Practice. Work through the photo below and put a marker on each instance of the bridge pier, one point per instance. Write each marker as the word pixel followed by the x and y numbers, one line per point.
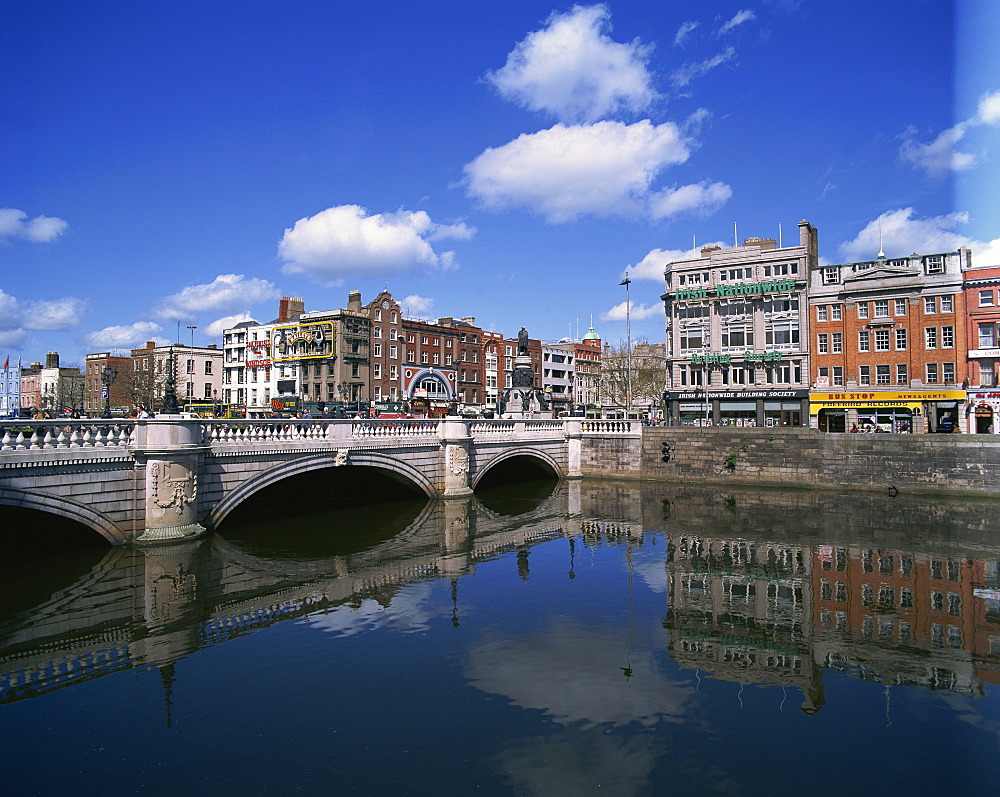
pixel 455 444
pixel 574 447
pixel 168 452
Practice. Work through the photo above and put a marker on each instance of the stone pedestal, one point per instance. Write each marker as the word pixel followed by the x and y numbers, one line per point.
pixel 169 450
pixel 455 444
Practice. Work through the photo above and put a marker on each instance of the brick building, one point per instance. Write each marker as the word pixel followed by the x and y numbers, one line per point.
pixel 982 302
pixel 889 343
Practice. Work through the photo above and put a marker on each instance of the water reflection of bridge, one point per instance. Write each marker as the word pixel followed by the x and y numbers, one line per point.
pixel 765 588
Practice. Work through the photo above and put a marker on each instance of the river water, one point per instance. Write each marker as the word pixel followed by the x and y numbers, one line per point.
pixel 538 639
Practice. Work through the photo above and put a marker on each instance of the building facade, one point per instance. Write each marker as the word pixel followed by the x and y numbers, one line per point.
pixel 890 344
pixel 119 395
pixel 10 389
pixel 197 372
pixel 737 334
pixel 982 303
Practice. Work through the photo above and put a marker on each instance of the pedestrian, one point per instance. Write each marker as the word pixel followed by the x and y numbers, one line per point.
pixel 854 429
pixel 142 414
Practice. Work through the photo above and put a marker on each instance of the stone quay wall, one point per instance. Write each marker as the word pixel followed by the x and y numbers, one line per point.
pixel 800 457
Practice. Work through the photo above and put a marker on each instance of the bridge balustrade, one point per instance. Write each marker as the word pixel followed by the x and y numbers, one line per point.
pixel 66 433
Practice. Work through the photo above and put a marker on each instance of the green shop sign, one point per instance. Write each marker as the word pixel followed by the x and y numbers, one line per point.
pixel 736 289
pixel 713 358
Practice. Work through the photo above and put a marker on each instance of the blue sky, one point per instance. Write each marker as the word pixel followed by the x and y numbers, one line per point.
pixel 189 163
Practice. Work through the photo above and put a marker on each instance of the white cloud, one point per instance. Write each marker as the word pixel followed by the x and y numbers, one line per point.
pixel 604 169
pixel 17 317
pixel 414 306
pixel 702 198
pixel 346 240
pixel 638 312
pixel 938 156
pixel 55 314
pixel 226 293
pixel 683 32
pixel 573 69
pixel 903 234
pixel 214 330
pixel 652 265
pixel 738 19
pixel 41 228
pixel 941 155
pixel 685 74
pixel 988 111
pixel 130 336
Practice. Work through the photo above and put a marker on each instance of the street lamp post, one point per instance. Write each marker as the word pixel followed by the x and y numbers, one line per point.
pixel 170 391
pixel 108 376
pixel 628 345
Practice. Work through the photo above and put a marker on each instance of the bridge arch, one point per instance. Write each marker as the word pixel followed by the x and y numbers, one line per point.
pixel 289 469
pixel 66 508
pixel 522 451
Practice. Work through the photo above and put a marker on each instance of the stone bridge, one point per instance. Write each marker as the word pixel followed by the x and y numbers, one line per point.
pixel 174 477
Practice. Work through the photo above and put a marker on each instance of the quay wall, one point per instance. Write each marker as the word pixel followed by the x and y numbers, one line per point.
pixel 801 457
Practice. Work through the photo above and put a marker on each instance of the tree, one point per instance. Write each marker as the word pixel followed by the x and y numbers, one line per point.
pixel 648 371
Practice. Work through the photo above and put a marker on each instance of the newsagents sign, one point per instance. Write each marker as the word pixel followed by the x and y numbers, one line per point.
pixel 736 289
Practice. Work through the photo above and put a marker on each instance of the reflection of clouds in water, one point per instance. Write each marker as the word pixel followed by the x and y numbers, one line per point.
pixel 407 612
pixel 575 676
pixel 653 573
pixel 576 762
pixel 968 712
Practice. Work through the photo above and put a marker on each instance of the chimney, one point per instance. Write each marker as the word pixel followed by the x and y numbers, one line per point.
pixel 354 300
pixel 809 238
pixel 290 307
pixel 706 251
pixel 52 359
pixel 469 319
pixel 150 344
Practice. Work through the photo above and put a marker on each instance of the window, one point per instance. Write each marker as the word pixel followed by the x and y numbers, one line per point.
pixel 836 312
pixel 881 340
pixel 190 366
pixel 782 333
pixel 394 372
pixel 208 367
pixel 831 276
pixel 948 373
pixel 394 318
pixel 377 350
pixel 437 358
pixel 376 371
pixel 823 373
pixel 987 375
pixel 986 298
pixel 823 343
pixel 423 340
pixel 932 373
pixel 378 314
pixel 410 356
pixel 930 305
pixel 864 340
pixel 865 374
pixel 881 308
pixel 947 337
pixel 393 334
pixel 930 338
pixel 423 357
pixel 821 312
pixel 987 336
pixel 934 264
pixel 947 304
pixel 838 375
pixel 862 309
pixel 900 339
pixel 902 377
pixel 882 374
pixel 377 332
pixel 838 342
pixel 899 306
pixel 694 338
pixel 740 335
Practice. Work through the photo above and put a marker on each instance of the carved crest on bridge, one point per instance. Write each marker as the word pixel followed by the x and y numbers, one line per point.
pixel 172 486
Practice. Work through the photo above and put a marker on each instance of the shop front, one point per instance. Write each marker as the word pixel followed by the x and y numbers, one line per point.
pixel 895 412
pixel 760 408
pixel 983 409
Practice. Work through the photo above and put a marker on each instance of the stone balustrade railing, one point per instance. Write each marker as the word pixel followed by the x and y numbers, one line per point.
pixel 102 433
pixel 34 435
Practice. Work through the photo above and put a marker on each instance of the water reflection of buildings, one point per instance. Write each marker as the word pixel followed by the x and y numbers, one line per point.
pixel 771 613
